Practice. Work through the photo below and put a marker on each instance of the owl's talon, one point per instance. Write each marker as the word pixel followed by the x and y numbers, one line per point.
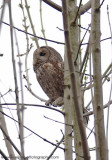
pixel 58 102
pixel 47 103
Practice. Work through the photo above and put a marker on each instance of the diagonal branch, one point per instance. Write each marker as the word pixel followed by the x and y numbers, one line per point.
pixel 55 148
pixel 3 155
pixel 54 5
pixel 82 10
pixel 4 126
pixel 32 131
pixel 8 138
pixel 85 7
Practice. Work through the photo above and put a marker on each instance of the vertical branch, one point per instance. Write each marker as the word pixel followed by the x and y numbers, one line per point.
pixel 27 52
pixel 16 83
pixel 2 14
pixel 68 112
pixel 22 94
pixel 108 115
pixel 32 26
pixel 101 146
pixel 76 105
pixel 42 27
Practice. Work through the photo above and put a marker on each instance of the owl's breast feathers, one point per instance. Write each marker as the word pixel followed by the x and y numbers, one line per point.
pixel 50 76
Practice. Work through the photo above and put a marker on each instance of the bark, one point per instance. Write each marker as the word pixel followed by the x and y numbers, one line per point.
pixel 101 146
pixel 71 39
pixel 68 112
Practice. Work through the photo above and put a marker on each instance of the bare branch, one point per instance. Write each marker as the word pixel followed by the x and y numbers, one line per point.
pixel 55 148
pixel 31 131
pixel 101 3
pixel 3 155
pixel 4 126
pixel 91 112
pixel 32 26
pixel 34 105
pixel 8 138
pixel 85 59
pixel 85 8
pixel 108 112
pixel 77 14
pixel 2 14
pixel 54 5
pixel 32 34
pixel 80 45
pixel 41 18
pixel 58 121
pixel 15 81
pixel 109 22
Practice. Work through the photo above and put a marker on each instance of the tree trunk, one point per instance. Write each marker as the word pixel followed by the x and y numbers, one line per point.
pixel 72 42
pixel 101 146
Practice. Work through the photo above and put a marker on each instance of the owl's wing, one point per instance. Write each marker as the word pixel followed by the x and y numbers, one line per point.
pixel 51 78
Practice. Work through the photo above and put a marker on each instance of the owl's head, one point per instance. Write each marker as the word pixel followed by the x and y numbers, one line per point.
pixel 45 54
pixel 40 56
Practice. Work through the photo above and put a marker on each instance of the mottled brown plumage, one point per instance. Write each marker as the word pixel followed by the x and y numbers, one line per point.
pixel 48 66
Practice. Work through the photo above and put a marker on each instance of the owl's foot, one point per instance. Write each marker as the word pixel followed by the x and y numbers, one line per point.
pixel 48 102
pixel 58 102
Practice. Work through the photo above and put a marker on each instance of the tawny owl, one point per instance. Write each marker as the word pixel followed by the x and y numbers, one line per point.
pixel 48 66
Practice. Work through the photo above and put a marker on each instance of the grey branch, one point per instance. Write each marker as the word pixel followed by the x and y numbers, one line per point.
pixel 54 5
pixel 85 8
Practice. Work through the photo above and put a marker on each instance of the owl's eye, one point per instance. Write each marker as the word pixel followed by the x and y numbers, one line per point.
pixel 42 54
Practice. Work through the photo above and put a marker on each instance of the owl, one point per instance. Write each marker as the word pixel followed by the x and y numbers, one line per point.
pixel 49 68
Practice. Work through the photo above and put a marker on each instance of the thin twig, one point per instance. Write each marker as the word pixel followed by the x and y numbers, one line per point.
pixel 32 131
pixel 100 40
pixel 11 142
pixel 90 133
pixel 28 49
pixel 22 93
pixel 32 26
pixel 101 4
pixel 4 126
pixel 108 111
pixel 16 82
pixel 32 34
pixel 55 148
pixel 91 112
pixel 34 105
pixel 77 14
pixel 2 14
pixel 30 90
pixel 42 27
pixel 49 40
pixel 85 56
pixel 58 121
pixel 80 45
pixel 2 95
pixel 105 75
